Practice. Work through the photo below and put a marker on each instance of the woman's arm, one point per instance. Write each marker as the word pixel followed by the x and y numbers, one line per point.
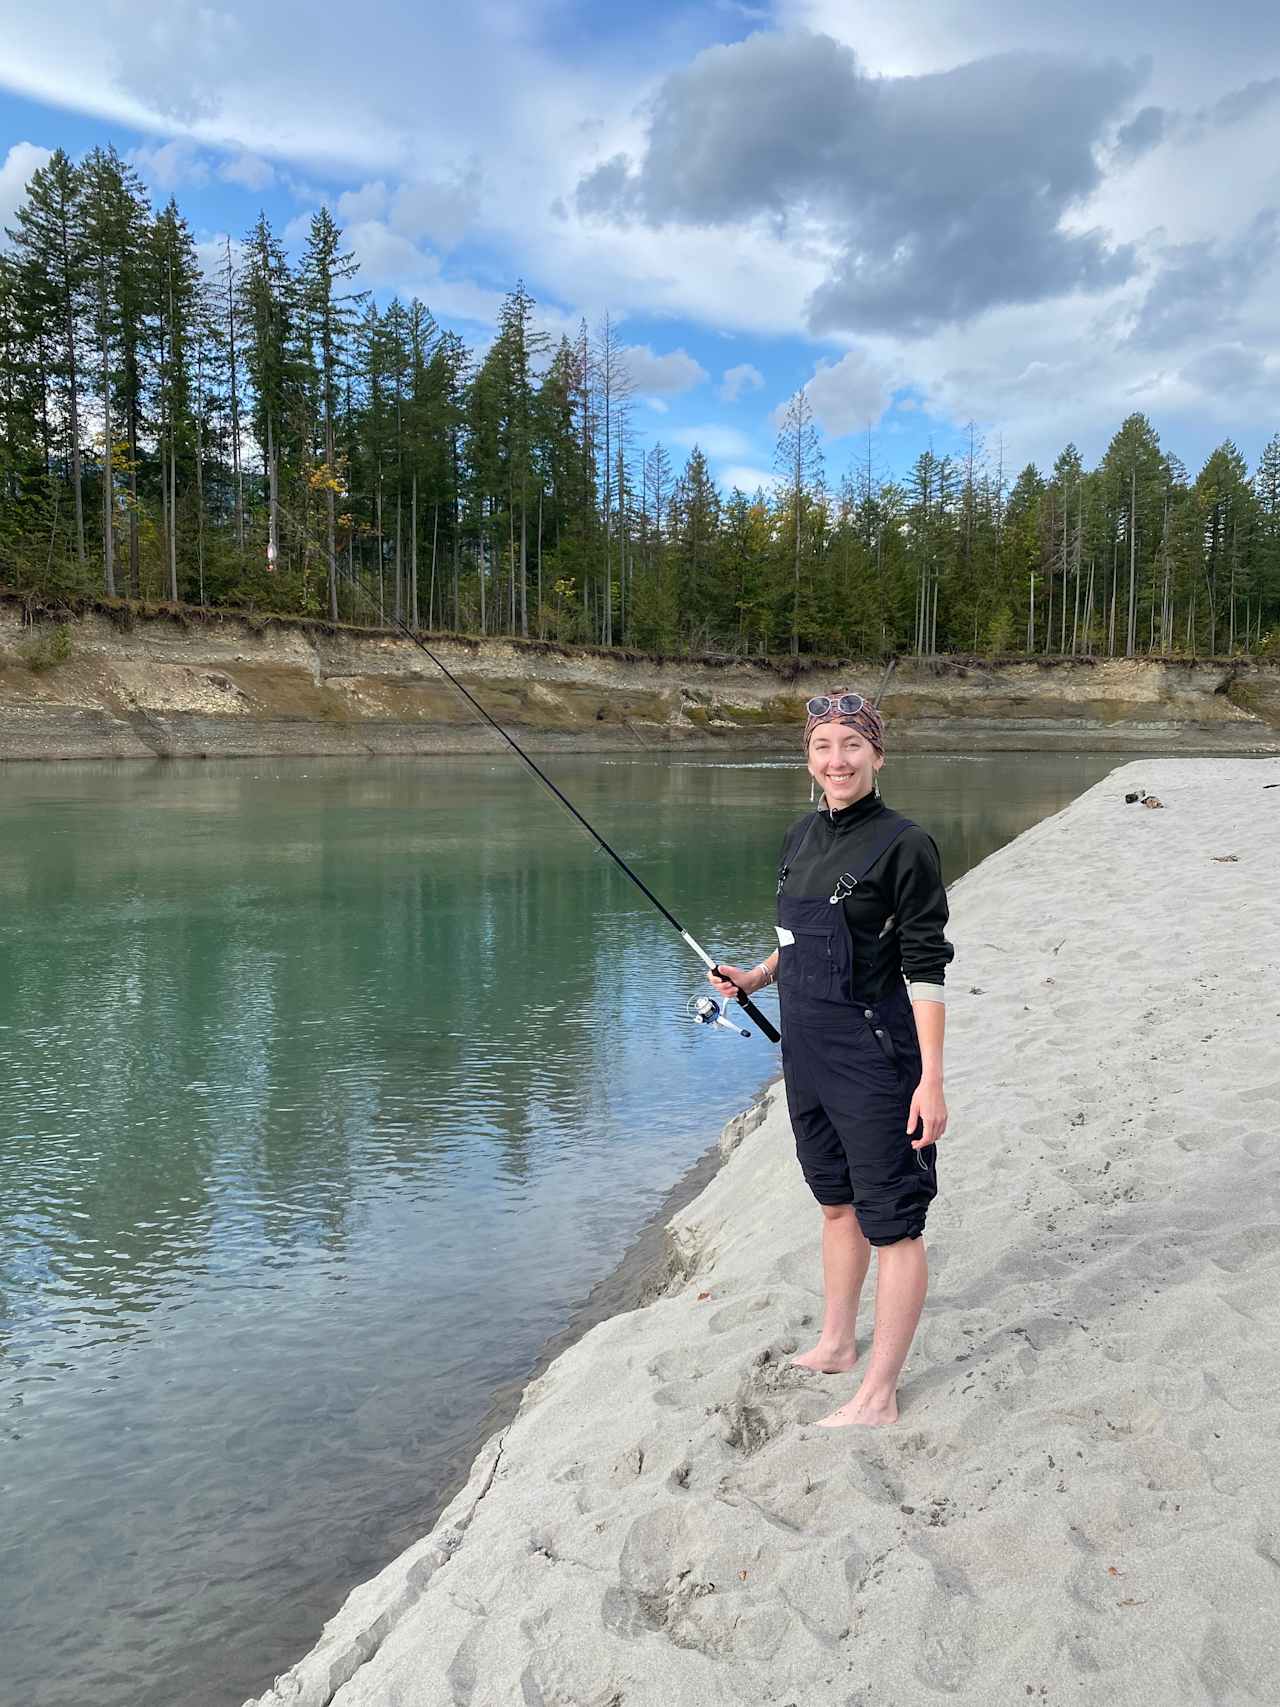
pixel 748 981
pixel 921 900
pixel 928 1117
pixel 931 1025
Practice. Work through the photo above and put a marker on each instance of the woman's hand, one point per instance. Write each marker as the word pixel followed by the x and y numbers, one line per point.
pixel 747 982
pixel 929 1106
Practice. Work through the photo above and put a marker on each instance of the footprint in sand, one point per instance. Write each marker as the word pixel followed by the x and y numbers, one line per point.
pixel 678 1396
pixel 947 1658
pixel 678 1364
pixel 746 1310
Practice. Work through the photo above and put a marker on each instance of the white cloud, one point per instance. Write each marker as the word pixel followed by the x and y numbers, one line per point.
pixel 441 210
pixel 458 299
pixel 385 257
pixel 848 395
pixel 391 263
pixel 249 171
pixel 557 322
pixel 662 376
pixel 747 478
pixel 170 165
pixel 747 280
pixel 913 37
pixel 737 380
pixel 237 74
pixel 368 202
pixel 719 442
pixel 20 163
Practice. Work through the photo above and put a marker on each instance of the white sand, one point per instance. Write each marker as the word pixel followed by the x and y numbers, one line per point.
pixel 1081 1502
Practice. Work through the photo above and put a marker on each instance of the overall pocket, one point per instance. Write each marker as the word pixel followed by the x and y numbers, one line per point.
pixel 811 966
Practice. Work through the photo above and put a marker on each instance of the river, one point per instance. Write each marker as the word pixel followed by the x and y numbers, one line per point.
pixel 327 1090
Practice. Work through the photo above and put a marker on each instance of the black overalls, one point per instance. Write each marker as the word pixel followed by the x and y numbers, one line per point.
pixel 850 1070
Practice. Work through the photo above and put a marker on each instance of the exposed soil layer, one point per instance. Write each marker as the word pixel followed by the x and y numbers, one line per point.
pixel 112 681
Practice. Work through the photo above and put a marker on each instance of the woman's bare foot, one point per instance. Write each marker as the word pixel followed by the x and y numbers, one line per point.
pixel 827 1359
pixel 870 1412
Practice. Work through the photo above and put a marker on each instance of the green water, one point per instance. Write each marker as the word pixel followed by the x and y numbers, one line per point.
pixel 326 1090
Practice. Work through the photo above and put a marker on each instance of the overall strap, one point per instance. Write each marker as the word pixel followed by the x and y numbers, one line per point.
pixel 888 829
pixel 792 845
pixel 795 838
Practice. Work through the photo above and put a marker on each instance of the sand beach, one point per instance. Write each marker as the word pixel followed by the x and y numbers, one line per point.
pixel 1081 1501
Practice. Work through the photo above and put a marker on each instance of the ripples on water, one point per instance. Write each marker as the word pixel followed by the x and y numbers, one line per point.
pixel 324 1094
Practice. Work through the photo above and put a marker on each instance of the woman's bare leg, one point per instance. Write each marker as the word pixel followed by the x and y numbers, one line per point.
pixel 845 1255
pixel 902 1279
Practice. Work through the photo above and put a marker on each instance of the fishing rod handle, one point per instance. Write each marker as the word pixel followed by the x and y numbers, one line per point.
pixel 759 1020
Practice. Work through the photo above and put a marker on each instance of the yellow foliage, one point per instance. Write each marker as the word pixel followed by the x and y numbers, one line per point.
pixel 323 478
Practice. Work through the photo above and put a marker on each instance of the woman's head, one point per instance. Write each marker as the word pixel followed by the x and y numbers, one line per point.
pixel 844 745
pixel 844 706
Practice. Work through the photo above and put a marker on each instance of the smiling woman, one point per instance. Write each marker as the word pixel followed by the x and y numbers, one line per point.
pixel 860 965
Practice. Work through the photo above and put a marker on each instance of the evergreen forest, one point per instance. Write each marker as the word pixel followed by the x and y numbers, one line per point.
pixel 264 435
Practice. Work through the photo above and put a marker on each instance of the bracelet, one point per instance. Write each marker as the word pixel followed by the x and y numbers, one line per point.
pixel 768 976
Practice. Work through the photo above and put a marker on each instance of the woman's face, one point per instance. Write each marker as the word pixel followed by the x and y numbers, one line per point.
pixel 842 763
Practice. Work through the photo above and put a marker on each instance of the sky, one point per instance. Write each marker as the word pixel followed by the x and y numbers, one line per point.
pixel 1020 221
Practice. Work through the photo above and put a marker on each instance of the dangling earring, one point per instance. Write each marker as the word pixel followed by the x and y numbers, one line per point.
pixel 875 786
pixel 811 791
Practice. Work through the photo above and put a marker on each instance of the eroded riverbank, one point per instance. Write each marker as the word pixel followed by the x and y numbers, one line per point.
pixel 120 683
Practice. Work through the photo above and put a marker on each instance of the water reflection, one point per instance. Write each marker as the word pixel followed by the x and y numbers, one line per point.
pixel 325 1091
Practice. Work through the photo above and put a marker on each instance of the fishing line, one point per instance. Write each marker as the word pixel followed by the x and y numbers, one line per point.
pixel 757 1018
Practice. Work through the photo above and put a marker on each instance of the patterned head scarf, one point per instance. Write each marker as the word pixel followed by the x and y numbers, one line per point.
pixel 868 722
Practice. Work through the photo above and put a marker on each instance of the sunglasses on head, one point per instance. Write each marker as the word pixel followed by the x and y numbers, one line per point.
pixel 847 704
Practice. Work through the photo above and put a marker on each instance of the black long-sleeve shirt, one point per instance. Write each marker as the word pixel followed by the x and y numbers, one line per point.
pixel 898 913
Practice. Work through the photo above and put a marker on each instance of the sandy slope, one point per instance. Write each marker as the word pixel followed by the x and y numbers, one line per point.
pixel 1081 1502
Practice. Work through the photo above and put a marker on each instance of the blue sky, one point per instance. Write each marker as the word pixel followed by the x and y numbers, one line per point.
pixel 1039 218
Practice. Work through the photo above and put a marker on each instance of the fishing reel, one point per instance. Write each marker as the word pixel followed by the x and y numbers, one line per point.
pixel 705 1010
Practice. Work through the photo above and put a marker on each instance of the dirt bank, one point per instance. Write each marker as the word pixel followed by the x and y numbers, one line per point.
pixel 114 682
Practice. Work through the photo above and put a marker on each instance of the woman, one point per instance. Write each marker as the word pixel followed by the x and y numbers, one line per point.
pixel 861 907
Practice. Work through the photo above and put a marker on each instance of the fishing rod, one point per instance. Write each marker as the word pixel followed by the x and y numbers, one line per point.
pixel 760 1020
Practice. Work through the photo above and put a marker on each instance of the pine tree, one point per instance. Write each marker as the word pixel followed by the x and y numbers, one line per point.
pixel 269 307
pixel 798 460
pixel 229 284
pixel 1224 503
pixel 558 471
pixel 420 429
pixel 1022 539
pixel 1134 476
pixel 51 256
pixel 115 223
pixel 325 268
pixel 27 517
pixel 695 536
pixel 1067 493
pixel 519 346
pixel 1266 486
pixel 178 310
pixel 613 386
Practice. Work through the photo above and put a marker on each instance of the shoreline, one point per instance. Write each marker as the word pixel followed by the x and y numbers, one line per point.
pixel 1077 1494
pixel 1157 740
pixel 647 1268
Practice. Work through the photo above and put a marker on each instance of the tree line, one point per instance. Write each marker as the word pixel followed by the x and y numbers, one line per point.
pixel 261 434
